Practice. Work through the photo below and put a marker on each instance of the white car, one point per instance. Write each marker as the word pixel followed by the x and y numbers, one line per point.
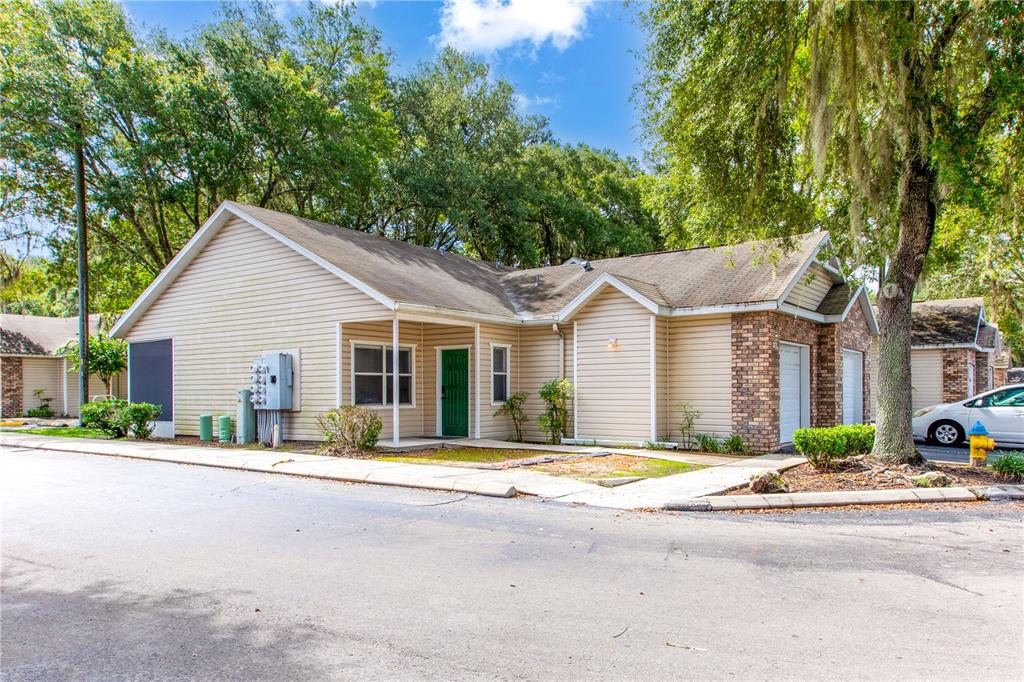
pixel 1001 411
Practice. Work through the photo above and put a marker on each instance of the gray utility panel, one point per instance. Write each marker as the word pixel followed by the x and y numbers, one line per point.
pixel 272 382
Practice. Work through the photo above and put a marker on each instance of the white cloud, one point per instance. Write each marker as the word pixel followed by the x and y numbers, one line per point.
pixel 491 25
pixel 526 104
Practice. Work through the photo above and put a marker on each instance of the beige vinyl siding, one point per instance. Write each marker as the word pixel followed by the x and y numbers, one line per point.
pixel 244 294
pixel 664 407
pixel 118 387
pixel 926 377
pixel 814 284
pixel 700 371
pixel 538 364
pixel 435 336
pixel 492 426
pixel 45 374
pixel 613 387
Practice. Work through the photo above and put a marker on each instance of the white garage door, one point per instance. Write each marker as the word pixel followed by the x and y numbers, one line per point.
pixel 853 387
pixel 793 405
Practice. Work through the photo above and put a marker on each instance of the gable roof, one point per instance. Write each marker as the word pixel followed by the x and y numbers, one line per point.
pixel 403 275
pixel 947 322
pixel 37 334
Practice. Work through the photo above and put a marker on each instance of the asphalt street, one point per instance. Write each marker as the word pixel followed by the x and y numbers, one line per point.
pixel 124 569
pixel 962 455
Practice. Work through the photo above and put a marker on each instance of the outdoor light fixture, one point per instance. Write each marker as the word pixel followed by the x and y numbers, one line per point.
pixel 613 344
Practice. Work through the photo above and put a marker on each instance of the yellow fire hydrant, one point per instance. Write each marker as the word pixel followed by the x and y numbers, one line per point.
pixel 980 444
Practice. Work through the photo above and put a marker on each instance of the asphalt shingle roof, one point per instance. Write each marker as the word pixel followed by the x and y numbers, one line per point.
pixel 36 334
pixel 419 275
pixel 946 322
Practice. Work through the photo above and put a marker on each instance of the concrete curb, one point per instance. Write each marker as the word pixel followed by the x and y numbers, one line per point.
pixel 840 498
pixel 399 476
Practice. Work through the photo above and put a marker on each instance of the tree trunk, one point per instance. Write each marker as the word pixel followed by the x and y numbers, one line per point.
pixel 894 440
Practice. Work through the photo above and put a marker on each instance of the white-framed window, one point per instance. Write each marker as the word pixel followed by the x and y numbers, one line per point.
pixel 372 375
pixel 499 373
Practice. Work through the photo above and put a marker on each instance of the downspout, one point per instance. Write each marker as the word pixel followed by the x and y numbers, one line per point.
pixel 561 350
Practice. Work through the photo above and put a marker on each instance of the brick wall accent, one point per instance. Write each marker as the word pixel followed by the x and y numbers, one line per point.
pixel 1000 377
pixel 12 386
pixel 981 372
pixel 954 373
pixel 755 370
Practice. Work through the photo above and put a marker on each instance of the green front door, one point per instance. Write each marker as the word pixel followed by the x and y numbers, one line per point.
pixel 455 392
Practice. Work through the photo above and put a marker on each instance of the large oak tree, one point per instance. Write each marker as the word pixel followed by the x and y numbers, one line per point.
pixel 773 118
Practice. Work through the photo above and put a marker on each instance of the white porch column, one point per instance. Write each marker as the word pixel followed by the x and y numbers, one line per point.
pixel 395 426
pixel 64 367
pixel 654 379
pixel 476 377
pixel 338 395
pixel 575 382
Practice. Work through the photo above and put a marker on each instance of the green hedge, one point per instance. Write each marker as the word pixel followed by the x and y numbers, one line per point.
pixel 822 446
pixel 119 418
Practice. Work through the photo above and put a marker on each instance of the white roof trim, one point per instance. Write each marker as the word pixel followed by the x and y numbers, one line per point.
pixel 726 308
pixel 599 284
pixel 200 239
pixel 935 346
pixel 813 258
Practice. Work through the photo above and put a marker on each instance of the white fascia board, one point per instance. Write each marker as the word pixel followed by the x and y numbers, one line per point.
pixel 938 346
pixel 722 309
pixel 171 270
pixel 807 314
pixel 417 312
pixel 600 283
pixel 201 238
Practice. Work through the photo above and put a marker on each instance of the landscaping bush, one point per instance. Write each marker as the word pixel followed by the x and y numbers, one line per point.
pixel 1009 466
pixel 706 442
pixel 734 445
pixel 823 446
pixel 555 421
pixel 41 412
pixel 513 407
pixel 349 428
pixel 119 418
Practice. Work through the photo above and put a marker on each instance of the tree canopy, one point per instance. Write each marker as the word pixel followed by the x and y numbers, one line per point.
pixel 307 117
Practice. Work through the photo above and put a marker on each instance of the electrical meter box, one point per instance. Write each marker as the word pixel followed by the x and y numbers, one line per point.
pixel 272 381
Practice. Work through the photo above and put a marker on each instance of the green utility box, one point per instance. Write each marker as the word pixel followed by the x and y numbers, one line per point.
pixel 224 428
pixel 206 428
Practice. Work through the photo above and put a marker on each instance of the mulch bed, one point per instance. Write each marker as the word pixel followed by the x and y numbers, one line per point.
pixel 862 473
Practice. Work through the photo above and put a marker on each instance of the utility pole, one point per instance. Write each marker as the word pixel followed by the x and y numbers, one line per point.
pixel 83 272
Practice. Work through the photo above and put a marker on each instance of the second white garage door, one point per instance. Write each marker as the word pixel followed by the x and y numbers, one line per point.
pixel 853 387
pixel 794 406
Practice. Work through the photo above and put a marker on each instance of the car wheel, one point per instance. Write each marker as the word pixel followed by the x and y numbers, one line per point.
pixel 946 433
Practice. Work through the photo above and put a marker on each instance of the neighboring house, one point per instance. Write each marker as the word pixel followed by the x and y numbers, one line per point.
pixel 759 348
pixel 954 351
pixel 28 364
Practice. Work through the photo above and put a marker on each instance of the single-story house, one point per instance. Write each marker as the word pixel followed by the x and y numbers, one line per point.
pixel 760 346
pixel 954 351
pixel 28 364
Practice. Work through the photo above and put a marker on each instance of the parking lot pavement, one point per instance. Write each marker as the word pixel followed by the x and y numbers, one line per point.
pixel 941 453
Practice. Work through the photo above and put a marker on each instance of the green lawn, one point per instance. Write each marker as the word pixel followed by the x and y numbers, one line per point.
pixel 463 455
pixel 64 431
pixel 655 468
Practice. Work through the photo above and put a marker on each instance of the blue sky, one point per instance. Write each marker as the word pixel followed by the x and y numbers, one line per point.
pixel 572 61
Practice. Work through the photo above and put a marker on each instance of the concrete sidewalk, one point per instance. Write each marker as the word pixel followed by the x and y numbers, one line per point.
pixel 649 493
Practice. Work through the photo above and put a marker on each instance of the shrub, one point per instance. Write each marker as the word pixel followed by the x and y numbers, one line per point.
pixel 349 428
pixel 119 418
pixel 688 416
pixel 823 446
pixel 734 445
pixel 136 419
pixel 513 407
pixel 555 420
pixel 1009 466
pixel 706 442
pixel 41 412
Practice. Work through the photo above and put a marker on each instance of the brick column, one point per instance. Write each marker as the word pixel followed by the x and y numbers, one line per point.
pixel 954 373
pixel 13 387
pixel 981 372
pixel 755 380
pixel 829 397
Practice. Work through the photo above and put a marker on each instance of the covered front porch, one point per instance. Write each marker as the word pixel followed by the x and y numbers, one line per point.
pixel 449 376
